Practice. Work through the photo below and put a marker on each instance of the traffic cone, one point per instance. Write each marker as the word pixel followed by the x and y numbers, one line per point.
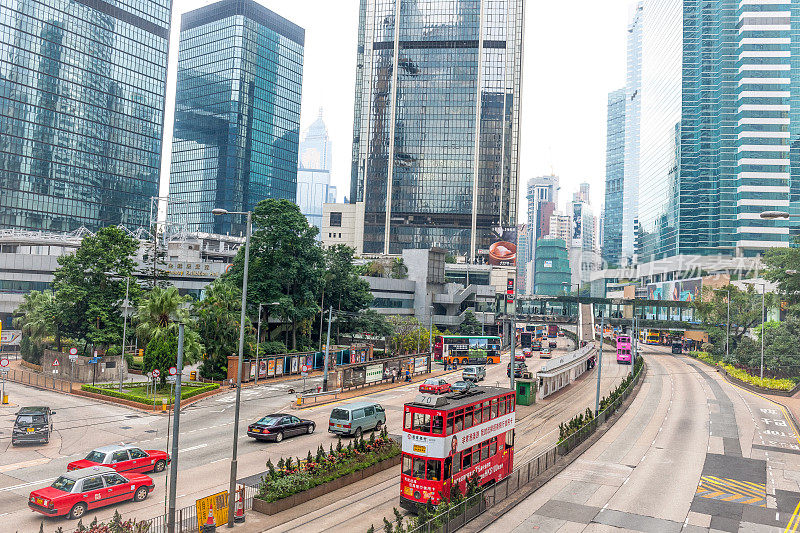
pixel 211 524
pixel 238 516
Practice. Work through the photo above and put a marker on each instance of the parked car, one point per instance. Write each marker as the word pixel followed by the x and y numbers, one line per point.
pixel 277 426
pixel 519 357
pixel 536 346
pixel 33 424
pixel 434 386
pixel 560 332
pixel 355 418
pixel 552 344
pixel 123 458
pixel 519 368
pixel 473 373
pixel 527 352
pixel 74 493
pixel 463 386
pixel 545 353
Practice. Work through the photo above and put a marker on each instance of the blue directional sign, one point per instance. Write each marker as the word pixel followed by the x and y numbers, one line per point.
pixel 94 360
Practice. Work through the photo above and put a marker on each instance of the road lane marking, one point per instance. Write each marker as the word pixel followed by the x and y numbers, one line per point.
pixel 789 527
pixel 25 464
pixel 23 485
pixel 192 448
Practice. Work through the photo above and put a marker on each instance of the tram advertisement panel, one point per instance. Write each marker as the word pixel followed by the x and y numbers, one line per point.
pixel 440 447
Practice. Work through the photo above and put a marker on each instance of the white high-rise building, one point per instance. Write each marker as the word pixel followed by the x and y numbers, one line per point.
pixel 314 172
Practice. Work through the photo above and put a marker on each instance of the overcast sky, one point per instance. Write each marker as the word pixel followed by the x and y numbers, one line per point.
pixel 574 55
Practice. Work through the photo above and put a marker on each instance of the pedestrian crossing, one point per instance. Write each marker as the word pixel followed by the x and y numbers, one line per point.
pixel 732 490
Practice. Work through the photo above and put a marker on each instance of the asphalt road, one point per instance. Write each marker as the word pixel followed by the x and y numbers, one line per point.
pixel 693 453
pixel 82 424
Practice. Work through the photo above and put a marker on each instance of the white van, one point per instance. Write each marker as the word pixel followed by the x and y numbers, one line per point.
pixel 356 418
pixel 473 373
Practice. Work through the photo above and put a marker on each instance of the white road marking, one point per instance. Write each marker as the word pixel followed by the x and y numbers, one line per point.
pixel 193 448
pixel 23 485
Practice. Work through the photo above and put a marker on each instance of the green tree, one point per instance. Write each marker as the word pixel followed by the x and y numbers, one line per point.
pixel 90 286
pixel 745 313
pixel 470 324
pixel 154 260
pixel 161 353
pixel 286 263
pixel 343 289
pixel 782 268
pixel 218 316
pixel 399 268
pixel 780 344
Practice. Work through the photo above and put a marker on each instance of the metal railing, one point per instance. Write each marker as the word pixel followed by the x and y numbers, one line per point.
pixel 42 381
pixel 458 516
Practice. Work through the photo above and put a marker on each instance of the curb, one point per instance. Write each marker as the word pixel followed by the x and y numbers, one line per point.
pixel 486 519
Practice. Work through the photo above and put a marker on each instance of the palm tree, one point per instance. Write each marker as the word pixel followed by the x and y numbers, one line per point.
pixel 159 314
pixel 39 322
pixel 218 324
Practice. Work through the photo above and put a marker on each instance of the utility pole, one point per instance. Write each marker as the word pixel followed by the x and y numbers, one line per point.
pixel 599 365
pixel 513 367
pixel 258 339
pixel 327 352
pixel 763 326
pixel 173 468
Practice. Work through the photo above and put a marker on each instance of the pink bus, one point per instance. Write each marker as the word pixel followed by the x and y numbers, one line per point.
pixel 623 349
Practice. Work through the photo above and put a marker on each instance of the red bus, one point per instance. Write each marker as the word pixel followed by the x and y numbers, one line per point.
pixel 447 439
pixel 552 331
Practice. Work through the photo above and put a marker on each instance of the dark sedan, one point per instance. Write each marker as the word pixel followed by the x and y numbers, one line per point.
pixel 463 386
pixel 278 426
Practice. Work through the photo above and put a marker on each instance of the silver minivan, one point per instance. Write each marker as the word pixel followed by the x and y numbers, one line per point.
pixel 473 373
pixel 356 418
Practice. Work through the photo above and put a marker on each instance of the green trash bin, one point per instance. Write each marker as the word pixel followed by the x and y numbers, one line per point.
pixel 526 391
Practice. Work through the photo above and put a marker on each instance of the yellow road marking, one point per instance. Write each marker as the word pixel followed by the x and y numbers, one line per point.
pixel 780 405
pixel 760 490
pixel 789 527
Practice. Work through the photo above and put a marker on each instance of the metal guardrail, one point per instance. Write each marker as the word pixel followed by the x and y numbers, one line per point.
pixel 315 396
pixel 475 505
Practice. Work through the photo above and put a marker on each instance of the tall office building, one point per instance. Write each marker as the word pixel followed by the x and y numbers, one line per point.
pixel 314 172
pixel 81 112
pixel 611 238
pixel 237 113
pixel 437 119
pixel 720 129
pixel 542 196
pixel 633 104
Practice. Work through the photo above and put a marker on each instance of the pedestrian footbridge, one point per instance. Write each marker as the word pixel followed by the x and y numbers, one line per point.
pixel 560 372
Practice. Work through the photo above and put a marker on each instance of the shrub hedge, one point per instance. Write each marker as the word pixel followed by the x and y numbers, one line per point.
pixel 766 383
pixel 707 357
pixel 195 390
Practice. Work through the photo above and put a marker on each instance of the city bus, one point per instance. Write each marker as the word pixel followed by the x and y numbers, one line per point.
pixel 447 439
pixel 459 349
pixel 650 336
pixel 623 349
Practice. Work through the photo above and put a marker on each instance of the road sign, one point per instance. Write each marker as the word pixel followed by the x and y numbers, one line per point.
pixel 303 368
pixel 171 379
pixel 156 373
pixel 173 371
pixel 4 372
pixel 94 360
pixel 73 351
pixel 55 362
pixel 217 503
pixel 3 362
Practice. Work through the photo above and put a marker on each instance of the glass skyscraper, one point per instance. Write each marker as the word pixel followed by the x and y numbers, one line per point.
pixel 82 85
pixel 237 113
pixel 633 105
pixel 720 126
pixel 435 141
pixel 615 178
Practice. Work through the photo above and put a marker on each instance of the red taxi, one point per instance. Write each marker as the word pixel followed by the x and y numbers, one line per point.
pixel 519 357
pixel 434 386
pixel 527 352
pixel 74 493
pixel 124 458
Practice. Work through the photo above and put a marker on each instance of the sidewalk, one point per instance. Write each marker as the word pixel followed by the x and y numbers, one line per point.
pixel 791 403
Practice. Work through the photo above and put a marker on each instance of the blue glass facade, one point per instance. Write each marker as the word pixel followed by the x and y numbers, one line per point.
pixel 237 113
pixel 436 116
pixel 615 177
pixel 718 143
pixel 82 85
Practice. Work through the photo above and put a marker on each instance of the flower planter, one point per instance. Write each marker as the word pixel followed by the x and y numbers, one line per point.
pixel 270 508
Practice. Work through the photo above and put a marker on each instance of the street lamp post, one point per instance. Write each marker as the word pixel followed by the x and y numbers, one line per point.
pixel 327 352
pixel 600 364
pixel 728 328
pixel 234 456
pixel 124 330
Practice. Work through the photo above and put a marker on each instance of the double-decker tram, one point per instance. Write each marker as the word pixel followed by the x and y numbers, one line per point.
pixel 449 438
pixel 623 349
